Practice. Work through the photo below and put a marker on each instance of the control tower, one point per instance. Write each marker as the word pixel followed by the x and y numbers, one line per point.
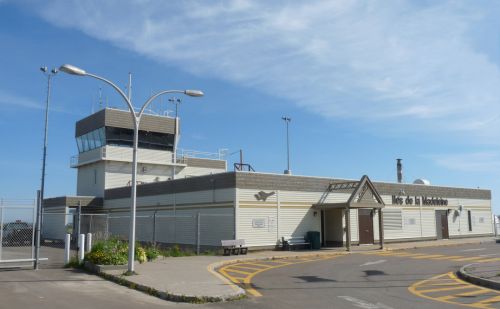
pixel 105 138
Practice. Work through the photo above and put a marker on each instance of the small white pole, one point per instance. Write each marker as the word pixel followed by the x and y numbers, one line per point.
pixel 67 245
pixel 81 252
pixel 88 245
pixel 198 234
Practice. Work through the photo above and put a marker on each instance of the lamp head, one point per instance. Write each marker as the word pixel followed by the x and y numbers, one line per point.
pixel 71 69
pixel 54 71
pixel 43 69
pixel 194 93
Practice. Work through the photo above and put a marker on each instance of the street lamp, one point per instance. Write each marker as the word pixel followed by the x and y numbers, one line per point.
pixel 287 121
pixel 49 75
pixel 136 117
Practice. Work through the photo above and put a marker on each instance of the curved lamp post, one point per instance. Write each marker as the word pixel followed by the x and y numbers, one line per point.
pixel 136 117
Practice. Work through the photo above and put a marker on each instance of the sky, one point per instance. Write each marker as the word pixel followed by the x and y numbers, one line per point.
pixel 364 82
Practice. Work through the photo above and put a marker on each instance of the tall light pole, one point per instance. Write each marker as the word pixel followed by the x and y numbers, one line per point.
pixel 136 119
pixel 49 75
pixel 177 102
pixel 287 121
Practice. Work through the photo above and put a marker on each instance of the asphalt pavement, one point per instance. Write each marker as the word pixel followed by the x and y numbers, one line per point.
pixel 412 278
pixel 406 278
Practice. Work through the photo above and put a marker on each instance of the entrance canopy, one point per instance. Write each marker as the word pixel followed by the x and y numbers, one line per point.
pixel 364 196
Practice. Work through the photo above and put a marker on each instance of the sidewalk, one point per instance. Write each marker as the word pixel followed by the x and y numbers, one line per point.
pixel 193 279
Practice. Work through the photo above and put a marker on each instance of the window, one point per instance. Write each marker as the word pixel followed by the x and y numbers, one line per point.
pixel 91 140
pixel 148 140
pixel 393 219
pixel 96 138
pixel 469 217
pixel 124 137
pixel 79 143
pixel 85 143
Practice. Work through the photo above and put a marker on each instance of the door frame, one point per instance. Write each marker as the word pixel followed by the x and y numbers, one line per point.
pixel 440 227
pixel 371 236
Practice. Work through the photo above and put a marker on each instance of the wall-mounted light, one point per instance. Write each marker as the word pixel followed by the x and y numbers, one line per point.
pixel 315 213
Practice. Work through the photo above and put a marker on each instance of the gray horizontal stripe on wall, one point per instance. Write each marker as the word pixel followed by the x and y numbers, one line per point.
pixel 122 119
pixel 246 180
pixel 201 183
pixel 314 184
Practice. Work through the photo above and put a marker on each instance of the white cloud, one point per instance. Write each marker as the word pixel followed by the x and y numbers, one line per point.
pixel 9 100
pixel 486 161
pixel 365 60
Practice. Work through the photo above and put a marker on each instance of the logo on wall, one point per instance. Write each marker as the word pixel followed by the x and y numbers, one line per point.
pixel 263 196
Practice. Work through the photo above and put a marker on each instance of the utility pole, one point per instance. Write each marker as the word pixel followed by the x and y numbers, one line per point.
pixel 287 121
pixel 49 75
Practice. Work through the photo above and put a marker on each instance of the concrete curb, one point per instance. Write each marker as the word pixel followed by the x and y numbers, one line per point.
pixel 165 295
pixel 464 275
pixel 441 245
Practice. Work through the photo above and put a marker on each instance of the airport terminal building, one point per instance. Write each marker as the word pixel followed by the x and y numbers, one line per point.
pixel 191 198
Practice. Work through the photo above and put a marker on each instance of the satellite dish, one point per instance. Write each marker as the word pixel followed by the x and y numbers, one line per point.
pixel 421 181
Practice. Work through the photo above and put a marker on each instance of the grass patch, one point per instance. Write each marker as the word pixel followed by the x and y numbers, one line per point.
pixel 74 263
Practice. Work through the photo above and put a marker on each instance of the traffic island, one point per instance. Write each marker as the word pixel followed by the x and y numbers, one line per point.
pixel 485 275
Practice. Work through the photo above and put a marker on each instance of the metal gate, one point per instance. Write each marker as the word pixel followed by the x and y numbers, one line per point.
pixel 17 233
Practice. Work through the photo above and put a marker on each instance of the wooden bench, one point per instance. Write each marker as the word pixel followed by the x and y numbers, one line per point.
pixel 288 243
pixel 234 247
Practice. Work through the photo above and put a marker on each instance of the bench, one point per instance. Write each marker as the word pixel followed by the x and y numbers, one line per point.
pixel 288 243
pixel 234 247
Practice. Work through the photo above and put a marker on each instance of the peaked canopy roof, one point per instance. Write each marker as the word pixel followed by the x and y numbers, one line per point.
pixel 364 195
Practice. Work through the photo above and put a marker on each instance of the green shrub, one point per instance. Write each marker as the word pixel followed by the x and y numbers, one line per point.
pixel 109 252
pixel 140 254
pixel 152 253
pixel 176 251
pixel 74 263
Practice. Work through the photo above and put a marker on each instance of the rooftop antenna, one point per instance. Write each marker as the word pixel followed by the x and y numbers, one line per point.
pixel 130 86
pixel 100 97
pixel 287 121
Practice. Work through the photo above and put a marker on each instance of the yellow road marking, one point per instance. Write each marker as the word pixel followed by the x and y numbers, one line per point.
pixel 247 267
pixel 427 256
pixel 423 289
pixel 446 289
pixel 469 258
pixel 472 293
pixel 246 282
pixel 495 299
pixel 489 260
pixel 238 271
pixel 448 257
pixel 445 283
pixel 257 264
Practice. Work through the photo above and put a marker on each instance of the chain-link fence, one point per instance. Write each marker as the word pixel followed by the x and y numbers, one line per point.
pixel 198 231
pixel 17 218
pixel 55 226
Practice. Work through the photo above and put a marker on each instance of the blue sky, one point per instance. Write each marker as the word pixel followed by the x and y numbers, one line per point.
pixel 365 82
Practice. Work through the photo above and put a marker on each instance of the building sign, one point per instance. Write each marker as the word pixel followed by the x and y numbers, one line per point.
pixel 419 200
pixel 259 223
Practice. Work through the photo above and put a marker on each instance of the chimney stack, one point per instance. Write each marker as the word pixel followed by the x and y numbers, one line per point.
pixel 400 171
